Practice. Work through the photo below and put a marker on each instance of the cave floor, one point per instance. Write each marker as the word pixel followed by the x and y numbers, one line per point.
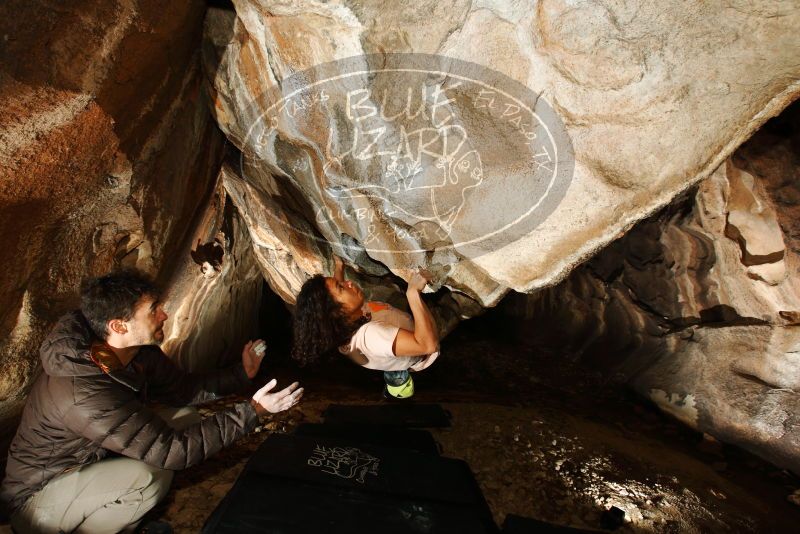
pixel 545 439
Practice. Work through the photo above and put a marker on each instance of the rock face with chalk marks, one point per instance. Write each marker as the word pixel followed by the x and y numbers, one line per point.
pixel 579 157
pixel 638 104
pixel 402 170
pixel 679 309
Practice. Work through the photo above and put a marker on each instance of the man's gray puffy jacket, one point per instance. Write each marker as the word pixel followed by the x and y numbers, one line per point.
pixel 76 413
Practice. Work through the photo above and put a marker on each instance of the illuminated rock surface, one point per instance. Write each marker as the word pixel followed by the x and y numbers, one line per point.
pixel 648 105
pixel 675 309
pixel 111 158
pixel 108 152
pixel 647 101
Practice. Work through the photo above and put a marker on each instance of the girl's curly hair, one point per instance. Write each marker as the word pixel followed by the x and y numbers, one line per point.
pixel 319 325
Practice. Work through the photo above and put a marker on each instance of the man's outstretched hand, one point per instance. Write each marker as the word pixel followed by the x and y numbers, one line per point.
pixel 252 356
pixel 264 401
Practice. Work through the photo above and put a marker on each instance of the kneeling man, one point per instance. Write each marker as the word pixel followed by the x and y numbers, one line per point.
pixel 102 366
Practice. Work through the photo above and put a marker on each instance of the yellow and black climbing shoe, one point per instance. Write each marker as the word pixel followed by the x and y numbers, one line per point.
pixel 403 391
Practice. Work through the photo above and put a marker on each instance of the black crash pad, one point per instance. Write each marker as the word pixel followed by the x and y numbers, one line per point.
pixel 314 484
pixel 260 504
pixel 381 435
pixel 370 468
pixel 515 524
pixel 400 414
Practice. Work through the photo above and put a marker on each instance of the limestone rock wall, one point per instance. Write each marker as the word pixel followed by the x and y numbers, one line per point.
pixel 646 97
pixel 695 305
pixel 111 157
pixel 215 292
pixel 108 155
pixel 697 308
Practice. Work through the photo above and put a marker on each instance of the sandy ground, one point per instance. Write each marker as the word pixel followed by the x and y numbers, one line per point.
pixel 545 439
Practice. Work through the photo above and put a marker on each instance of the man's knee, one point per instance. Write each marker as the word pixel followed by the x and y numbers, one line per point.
pixel 148 483
pixel 158 487
pixel 151 482
pixel 95 498
pixel 149 486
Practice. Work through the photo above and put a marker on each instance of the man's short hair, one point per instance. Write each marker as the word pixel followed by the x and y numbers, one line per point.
pixel 114 296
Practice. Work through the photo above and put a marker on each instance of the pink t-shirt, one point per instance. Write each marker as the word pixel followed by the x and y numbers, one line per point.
pixel 374 340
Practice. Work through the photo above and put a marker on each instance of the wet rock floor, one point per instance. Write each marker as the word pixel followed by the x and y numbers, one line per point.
pixel 545 439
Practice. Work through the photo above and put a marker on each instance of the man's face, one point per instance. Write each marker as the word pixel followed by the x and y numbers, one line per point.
pixel 347 294
pixel 146 327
